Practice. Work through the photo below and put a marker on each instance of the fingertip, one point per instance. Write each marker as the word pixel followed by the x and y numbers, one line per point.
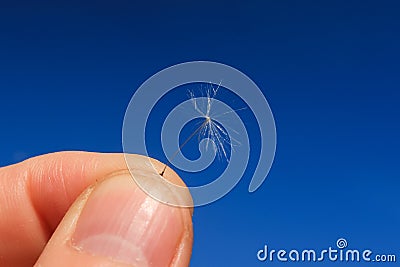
pixel 117 224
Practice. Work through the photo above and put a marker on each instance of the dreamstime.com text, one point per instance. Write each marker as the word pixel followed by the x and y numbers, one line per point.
pixel 338 254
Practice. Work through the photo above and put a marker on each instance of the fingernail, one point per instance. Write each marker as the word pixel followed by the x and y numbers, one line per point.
pixel 121 222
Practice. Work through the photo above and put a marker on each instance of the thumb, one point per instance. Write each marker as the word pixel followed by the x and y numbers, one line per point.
pixel 114 223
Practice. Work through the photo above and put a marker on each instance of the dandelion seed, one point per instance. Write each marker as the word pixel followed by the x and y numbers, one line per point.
pixel 210 128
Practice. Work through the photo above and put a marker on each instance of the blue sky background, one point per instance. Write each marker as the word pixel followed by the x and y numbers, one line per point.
pixel 329 69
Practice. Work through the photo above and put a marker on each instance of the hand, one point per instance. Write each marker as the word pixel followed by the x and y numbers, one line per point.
pixel 84 209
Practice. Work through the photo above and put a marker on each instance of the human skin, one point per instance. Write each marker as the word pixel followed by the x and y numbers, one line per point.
pixel 84 209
